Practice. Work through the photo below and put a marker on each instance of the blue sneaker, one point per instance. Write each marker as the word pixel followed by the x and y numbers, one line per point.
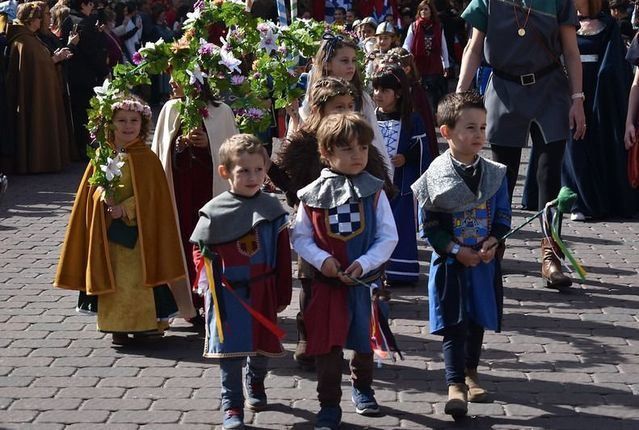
pixel 328 418
pixel 255 395
pixel 233 419
pixel 365 403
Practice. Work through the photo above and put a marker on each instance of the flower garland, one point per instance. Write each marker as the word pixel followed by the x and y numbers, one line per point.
pixel 251 68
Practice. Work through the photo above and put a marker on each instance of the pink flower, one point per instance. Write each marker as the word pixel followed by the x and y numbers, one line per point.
pixel 137 58
pixel 237 79
pixel 255 113
pixel 207 49
pixel 204 112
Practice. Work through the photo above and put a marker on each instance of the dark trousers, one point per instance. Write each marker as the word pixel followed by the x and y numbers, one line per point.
pixel 462 348
pixel 329 375
pixel 548 158
pixel 80 102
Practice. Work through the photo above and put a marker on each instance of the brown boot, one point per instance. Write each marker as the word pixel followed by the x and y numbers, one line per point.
pixel 303 361
pixel 551 266
pixel 457 404
pixel 475 393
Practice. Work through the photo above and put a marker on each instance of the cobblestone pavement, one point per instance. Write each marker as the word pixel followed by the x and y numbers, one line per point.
pixel 563 361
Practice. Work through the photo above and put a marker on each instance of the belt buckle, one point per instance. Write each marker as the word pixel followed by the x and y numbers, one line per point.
pixel 528 79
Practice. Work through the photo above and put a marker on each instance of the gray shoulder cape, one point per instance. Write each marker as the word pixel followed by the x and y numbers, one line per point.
pixel 228 217
pixel 334 189
pixel 441 188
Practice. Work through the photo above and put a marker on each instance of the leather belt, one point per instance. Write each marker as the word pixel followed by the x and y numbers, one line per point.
pixel 528 78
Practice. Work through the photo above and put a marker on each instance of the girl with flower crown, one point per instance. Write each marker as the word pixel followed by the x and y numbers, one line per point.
pixel 190 161
pixel 122 246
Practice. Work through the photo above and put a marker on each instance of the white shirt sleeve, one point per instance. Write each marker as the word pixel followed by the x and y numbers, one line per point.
pixel 445 61
pixel 408 42
pixel 385 237
pixel 303 242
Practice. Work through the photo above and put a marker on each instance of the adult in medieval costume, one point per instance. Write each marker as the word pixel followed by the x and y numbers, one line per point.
pixel 36 120
pixel 190 163
pixel 134 270
pixel 87 68
pixel 529 93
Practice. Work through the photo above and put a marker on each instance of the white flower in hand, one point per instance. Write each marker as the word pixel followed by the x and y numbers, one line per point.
pixel 113 167
pixel 196 75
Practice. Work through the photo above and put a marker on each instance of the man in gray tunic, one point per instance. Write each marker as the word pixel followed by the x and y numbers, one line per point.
pixel 531 92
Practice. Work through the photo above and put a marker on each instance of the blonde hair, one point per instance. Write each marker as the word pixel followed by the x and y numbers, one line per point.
pixel 326 52
pixel 237 145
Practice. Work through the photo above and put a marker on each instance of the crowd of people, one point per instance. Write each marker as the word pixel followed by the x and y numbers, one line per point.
pixel 191 231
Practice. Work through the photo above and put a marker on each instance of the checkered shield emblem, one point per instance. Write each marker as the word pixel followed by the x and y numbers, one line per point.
pixel 344 220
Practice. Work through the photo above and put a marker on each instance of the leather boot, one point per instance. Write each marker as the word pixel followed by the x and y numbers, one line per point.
pixel 303 361
pixel 475 393
pixel 551 266
pixel 457 404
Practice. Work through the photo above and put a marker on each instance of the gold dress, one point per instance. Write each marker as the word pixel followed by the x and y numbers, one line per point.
pixel 132 307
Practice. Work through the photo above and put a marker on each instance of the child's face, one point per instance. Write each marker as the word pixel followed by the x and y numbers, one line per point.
pixel 384 42
pixel 469 135
pixel 126 126
pixel 386 99
pixel 366 31
pixel 339 16
pixel 247 174
pixel 343 64
pixel 348 160
pixel 350 17
pixel 424 12
pixel 339 104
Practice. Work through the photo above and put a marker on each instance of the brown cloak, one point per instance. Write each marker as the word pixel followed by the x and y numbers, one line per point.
pixel 84 261
pixel 37 119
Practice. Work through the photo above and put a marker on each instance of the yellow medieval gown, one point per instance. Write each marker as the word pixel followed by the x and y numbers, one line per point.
pixel 131 308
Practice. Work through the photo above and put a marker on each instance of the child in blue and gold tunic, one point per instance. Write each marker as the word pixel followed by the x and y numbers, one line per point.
pixel 465 210
pixel 243 266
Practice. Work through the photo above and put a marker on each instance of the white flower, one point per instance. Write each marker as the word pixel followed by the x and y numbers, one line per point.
pixel 268 41
pixel 112 168
pixel 191 17
pixel 102 91
pixel 228 59
pixel 196 75
pixel 150 46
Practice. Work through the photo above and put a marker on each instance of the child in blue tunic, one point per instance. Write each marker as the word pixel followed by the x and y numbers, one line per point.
pixel 243 264
pixel 464 210
pixel 407 147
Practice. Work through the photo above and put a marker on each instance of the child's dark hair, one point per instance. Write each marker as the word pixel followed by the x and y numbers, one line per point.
pixel 324 90
pixel 238 144
pixel 392 76
pixel 340 129
pixel 451 106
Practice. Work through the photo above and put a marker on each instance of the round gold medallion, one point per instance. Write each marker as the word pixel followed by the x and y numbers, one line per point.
pixel 521 32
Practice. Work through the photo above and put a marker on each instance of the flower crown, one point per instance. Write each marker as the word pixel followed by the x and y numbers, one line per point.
pixel 132 105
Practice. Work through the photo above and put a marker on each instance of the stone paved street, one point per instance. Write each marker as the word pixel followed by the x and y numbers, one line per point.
pixel 563 361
